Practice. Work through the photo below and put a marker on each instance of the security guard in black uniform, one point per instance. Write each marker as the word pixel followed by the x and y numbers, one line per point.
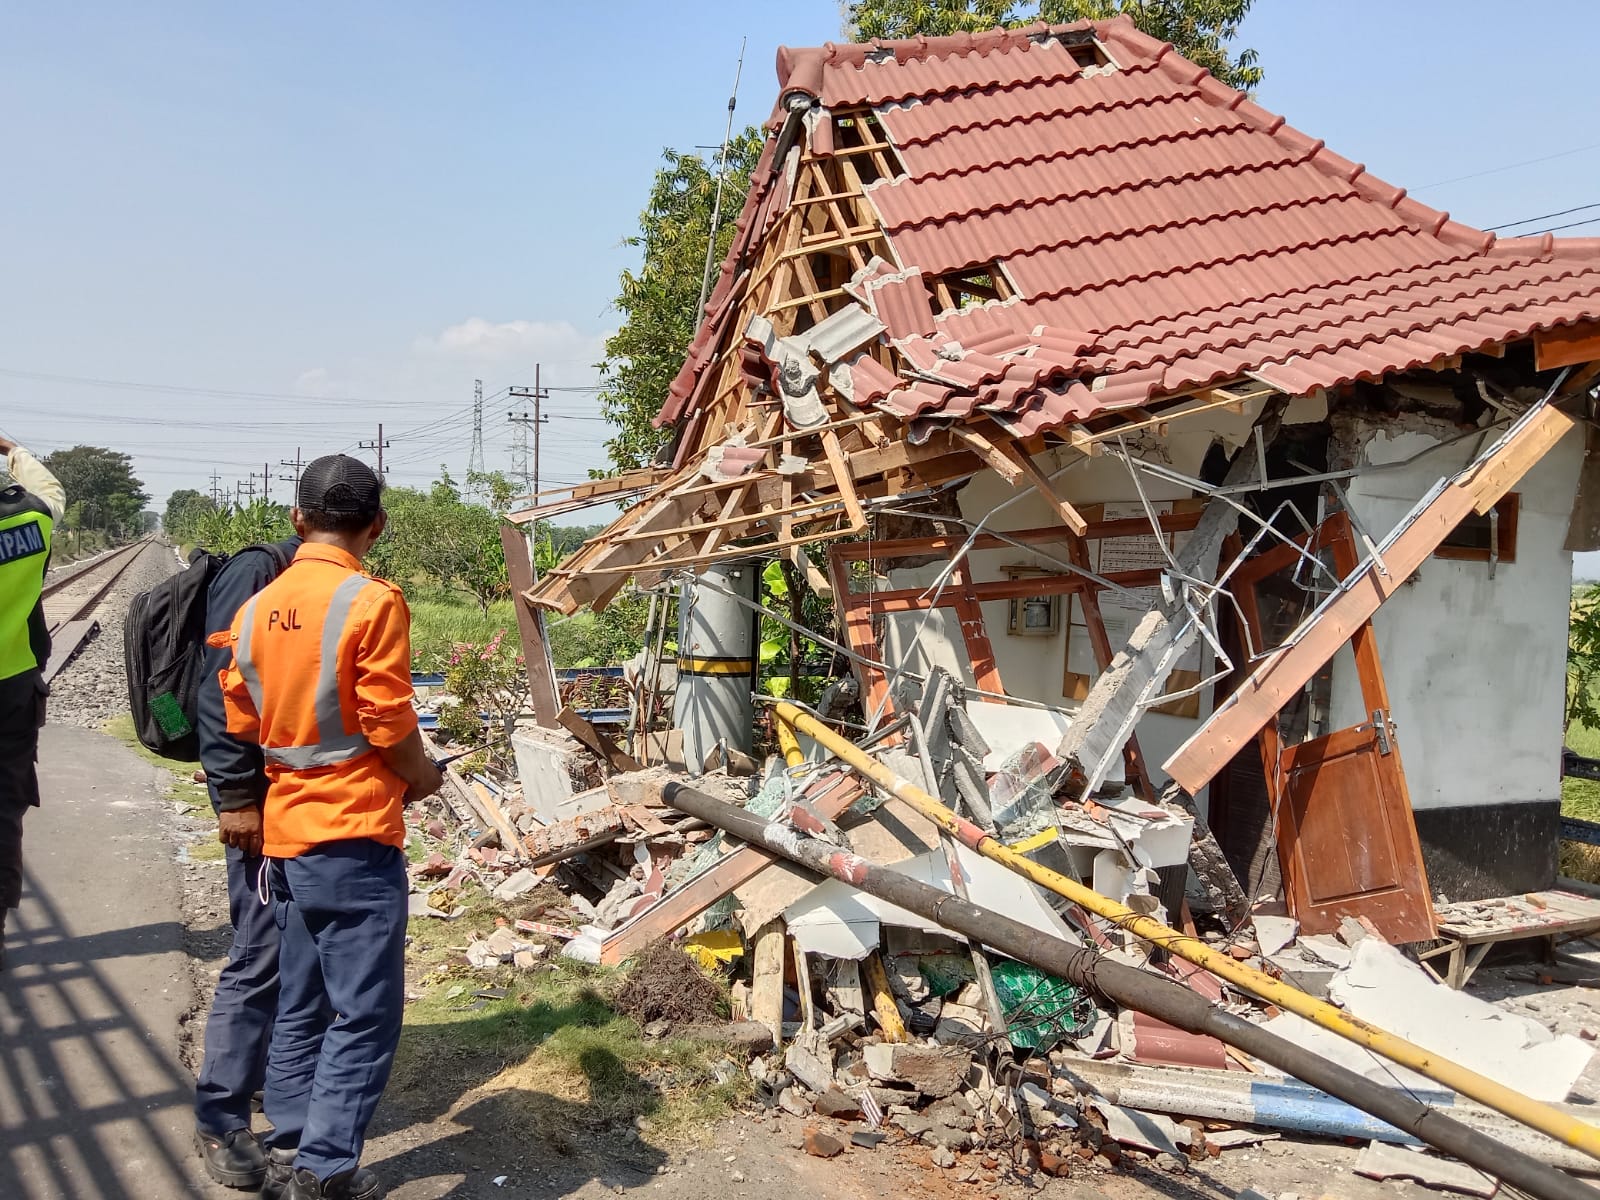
pixel 29 509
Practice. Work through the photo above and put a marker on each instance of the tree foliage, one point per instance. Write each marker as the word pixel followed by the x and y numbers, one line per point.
pixel 657 300
pixel 229 530
pixel 1583 661
pixel 436 536
pixel 186 508
pixel 103 482
pixel 1202 30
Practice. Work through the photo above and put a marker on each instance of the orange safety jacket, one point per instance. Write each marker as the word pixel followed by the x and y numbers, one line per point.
pixel 321 679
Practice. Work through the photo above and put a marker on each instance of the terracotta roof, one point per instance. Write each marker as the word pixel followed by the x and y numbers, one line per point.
pixel 1161 231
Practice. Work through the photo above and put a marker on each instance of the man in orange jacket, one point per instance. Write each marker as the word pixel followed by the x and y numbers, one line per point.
pixel 321 679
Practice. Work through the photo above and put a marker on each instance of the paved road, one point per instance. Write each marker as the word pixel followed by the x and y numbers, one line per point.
pixel 94 1104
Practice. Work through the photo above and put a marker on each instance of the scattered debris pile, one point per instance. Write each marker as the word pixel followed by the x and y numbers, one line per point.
pixel 880 1028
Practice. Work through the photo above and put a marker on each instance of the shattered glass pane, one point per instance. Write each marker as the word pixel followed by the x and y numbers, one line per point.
pixel 1022 794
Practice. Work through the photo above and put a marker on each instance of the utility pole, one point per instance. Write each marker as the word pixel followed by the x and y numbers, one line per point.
pixel 216 490
pixel 519 447
pixel 380 446
pixel 246 487
pixel 299 465
pixel 266 481
pixel 475 459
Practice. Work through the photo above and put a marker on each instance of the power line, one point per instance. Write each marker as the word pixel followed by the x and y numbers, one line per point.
pixel 1559 228
pixel 1510 166
pixel 1546 217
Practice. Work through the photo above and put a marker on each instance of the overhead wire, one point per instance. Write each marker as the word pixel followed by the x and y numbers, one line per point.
pixel 1510 166
pixel 1545 217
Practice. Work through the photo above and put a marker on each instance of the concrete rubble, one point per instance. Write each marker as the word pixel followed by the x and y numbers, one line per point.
pixel 878 1027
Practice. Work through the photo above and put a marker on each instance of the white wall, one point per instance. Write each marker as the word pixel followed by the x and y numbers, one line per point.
pixel 1476 667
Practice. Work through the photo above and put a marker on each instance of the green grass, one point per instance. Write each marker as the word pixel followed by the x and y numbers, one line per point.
pixel 182 788
pixel 554 1050
pixel 440 619
pixel 1581 797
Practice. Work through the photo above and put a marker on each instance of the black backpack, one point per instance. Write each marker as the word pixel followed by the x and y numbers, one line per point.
pixel 164 649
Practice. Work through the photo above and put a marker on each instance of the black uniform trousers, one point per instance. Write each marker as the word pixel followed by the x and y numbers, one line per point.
pixel 21 717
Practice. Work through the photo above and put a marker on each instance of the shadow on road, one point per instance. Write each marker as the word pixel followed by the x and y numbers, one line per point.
pixel 87 1103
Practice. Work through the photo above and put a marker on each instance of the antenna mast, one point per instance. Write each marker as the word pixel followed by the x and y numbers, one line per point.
pixel 716 208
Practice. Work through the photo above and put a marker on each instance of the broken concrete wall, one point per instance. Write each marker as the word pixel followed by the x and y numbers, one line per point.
pixel 1476 666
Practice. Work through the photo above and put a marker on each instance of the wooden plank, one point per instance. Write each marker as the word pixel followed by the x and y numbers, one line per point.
pixel 1000 463
pixel 682 905
pixel 1566 347
pixel 1070 516
pixel 842 480
pixel 1282 675
pixel 1494 478
pixel 542 694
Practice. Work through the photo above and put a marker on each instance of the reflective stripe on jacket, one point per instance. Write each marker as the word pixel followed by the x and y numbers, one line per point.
pixel 321 679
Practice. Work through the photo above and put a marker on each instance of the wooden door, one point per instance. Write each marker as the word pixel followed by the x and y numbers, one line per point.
pixel 1346 838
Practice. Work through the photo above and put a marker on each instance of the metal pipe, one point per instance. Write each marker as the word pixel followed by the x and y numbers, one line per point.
pixel 1129 986
pixel 1241 1098
pixel 793 756
pixel 1533 1113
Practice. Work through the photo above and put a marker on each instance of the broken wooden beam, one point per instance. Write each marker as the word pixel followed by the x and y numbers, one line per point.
pixel 530 627
pixel 613 755
pixel 1281 676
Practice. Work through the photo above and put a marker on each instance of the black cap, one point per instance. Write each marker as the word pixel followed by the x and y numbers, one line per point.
pixel 341 486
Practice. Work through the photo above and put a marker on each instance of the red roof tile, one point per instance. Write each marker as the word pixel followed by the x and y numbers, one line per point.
pixel 1188 232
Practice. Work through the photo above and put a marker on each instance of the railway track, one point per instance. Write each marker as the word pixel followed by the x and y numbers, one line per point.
pixel 71 597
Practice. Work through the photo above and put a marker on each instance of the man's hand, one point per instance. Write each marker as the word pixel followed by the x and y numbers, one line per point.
pixel 409 760
pixel 6 444
pixel 241 829
pixel 430 780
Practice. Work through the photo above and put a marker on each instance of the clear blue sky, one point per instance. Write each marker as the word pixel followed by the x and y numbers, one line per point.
pixel 384 201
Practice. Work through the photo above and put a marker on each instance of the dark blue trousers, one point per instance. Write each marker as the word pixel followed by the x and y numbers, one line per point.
pixel 341 909
pixel 240 1024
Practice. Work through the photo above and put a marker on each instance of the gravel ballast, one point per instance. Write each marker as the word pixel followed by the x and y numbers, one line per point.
pixel 93 689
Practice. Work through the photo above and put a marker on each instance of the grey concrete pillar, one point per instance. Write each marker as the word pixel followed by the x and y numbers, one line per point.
pixel 716 663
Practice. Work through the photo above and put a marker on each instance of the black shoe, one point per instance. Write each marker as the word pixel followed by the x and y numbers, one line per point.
pixel 280 1173
pixel 233 1159
pixel 360 1184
